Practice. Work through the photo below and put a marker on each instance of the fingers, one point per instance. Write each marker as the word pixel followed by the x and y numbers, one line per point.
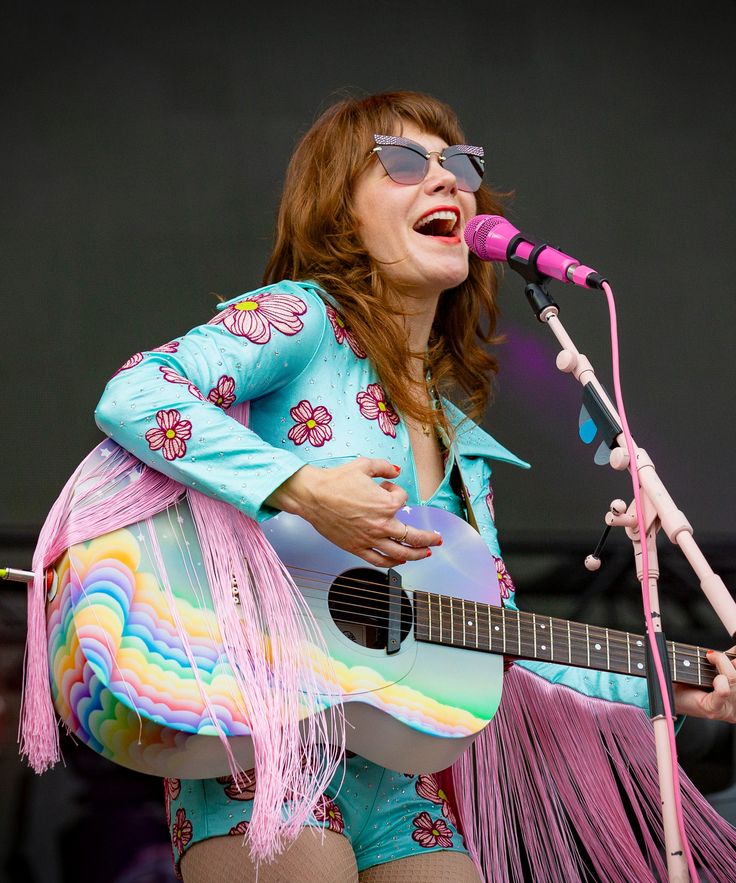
pixel 413 536
pixel 377 468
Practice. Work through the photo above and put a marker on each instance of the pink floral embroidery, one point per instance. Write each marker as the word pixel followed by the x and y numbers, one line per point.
pixel 181 832
pixel 343 333
pixel 312 424
pixel 171 347
pixel 373 406
pixel 428 788
pixel 172 377
pixel 173 788
pixel 253 317
pixel 489 502
pixel 170 435
pixel 328 811
pixel 241 828
pixel 431 833
pixel 223 393
pixel 505 583
pixel 134 360
pixel 243 787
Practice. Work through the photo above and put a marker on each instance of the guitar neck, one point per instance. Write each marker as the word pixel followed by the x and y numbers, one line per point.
pixel 471 625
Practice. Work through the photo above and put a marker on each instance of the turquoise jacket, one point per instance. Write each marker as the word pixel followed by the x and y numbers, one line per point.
pixel 314 398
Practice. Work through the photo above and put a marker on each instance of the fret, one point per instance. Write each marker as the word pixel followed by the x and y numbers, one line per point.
pixel 518 632
pixel 445 619
pixel 608 652
pixel 534 631
pixel 475 621
pixel 503 619
pixel 674 663
pixel 429 615
pixel 462 613
pixel 587 641
pixel 628 652
pixel 490 630
pixel 569 645
pixel 551 639
pixel 700 656
pixel 452 623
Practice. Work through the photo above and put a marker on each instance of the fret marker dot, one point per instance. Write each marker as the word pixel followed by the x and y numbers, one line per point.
pixel 544 646
pixel 542 626
pixel 597 646
pixel 686 663
pixel 638 644
pixel 470 622
pixel 497 628
pixel 640 665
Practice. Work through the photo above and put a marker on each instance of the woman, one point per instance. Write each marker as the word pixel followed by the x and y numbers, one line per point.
pixel 344 366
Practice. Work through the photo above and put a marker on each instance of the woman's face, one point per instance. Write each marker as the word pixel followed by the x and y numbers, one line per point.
pixel 420 259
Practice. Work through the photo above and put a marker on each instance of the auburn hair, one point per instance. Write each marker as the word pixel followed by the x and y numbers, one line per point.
pixel 317 238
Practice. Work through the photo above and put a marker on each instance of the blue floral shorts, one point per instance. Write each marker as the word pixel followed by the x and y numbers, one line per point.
pixel 385 815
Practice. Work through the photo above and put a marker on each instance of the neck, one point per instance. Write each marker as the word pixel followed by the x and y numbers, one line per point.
pixel 419 313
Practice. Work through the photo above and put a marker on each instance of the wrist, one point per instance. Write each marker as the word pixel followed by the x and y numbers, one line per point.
pixel 295 494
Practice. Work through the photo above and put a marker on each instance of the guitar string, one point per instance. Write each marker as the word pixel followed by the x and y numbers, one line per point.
pixel 578 646
pixel 614 638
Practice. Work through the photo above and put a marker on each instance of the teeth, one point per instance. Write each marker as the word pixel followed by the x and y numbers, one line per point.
pixel 436 216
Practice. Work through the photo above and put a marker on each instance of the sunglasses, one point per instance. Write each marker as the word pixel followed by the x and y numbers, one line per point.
pixel 407 162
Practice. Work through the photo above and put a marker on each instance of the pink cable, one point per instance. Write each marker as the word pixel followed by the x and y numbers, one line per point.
pixel 663 686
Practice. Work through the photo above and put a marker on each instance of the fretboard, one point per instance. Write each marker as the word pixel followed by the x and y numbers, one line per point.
pixel 471 625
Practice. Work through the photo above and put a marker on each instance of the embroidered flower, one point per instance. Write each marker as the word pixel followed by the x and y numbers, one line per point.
pixel 170 435
pixel 312 424
pixel 172 377
pixel 171 347
pixel 137 358
pixel 489 502
pixel 505 583
pixel 431 833
pixel 373 406
pixel 181 832
pixel 241 828
pixel 428 788
pixel 173 788
pixel 134 360
pixel 223 393
pixel 327 810
pixel 253 317
pixel 242 787
pixel 343 333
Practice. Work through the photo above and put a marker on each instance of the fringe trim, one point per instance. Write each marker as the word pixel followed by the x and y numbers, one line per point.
pixel 566 789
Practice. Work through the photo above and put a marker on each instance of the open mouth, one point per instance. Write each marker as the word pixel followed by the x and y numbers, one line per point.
pixel 442 223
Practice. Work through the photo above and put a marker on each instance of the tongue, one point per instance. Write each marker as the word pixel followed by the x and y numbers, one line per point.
pixel 437 227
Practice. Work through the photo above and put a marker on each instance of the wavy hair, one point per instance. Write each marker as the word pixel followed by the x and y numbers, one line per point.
pixel 317 237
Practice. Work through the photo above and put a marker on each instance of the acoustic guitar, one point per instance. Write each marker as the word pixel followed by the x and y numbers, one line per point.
pixel 418 651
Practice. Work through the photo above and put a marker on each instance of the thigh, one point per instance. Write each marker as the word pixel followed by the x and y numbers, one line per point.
pixel 312 858
pixel 435 867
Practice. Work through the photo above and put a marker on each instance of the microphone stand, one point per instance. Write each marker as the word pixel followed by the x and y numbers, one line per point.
pixel 660 511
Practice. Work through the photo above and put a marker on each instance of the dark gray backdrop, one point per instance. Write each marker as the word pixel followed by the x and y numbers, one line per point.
pixel 143 148
pixel 143 152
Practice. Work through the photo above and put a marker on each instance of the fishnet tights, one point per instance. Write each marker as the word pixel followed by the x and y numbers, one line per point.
pixel 312 860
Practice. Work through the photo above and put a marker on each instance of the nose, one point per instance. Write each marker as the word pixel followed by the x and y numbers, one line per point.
pixel 438 177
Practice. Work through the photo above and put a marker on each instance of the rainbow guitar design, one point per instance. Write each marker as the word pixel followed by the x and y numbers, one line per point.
pixel 417 651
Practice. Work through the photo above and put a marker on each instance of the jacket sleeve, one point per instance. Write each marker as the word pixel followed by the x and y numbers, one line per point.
pixel 169 406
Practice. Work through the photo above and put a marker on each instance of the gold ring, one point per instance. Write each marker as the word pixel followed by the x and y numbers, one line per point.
pixel 403 537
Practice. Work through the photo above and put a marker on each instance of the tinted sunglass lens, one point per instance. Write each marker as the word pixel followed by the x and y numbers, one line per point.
pixel 467 170
pixel 402 164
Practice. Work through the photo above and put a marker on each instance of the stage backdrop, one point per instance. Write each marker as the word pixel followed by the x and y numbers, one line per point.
pixel 142 156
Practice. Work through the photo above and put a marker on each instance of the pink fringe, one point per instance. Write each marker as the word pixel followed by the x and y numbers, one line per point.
pixel 265 636
pixel 549 773
pixel 78 514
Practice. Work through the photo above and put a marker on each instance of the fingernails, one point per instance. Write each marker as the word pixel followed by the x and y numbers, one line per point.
pixel 440 541
pixel 429 553
pixel 397 468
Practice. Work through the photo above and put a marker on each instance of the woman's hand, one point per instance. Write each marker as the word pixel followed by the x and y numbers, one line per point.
pixel 352 511
pixel 718 703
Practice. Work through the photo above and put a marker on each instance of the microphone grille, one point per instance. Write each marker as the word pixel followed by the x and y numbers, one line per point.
pixel 476 233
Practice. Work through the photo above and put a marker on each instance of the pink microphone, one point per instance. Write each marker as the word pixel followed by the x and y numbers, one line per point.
pixel 493 238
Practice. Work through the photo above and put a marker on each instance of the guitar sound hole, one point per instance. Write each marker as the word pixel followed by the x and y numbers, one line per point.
pixel 358 603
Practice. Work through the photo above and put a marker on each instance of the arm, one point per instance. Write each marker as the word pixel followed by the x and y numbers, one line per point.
pixel 170 407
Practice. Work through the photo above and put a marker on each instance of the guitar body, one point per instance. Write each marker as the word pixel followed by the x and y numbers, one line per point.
pixel 123 685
